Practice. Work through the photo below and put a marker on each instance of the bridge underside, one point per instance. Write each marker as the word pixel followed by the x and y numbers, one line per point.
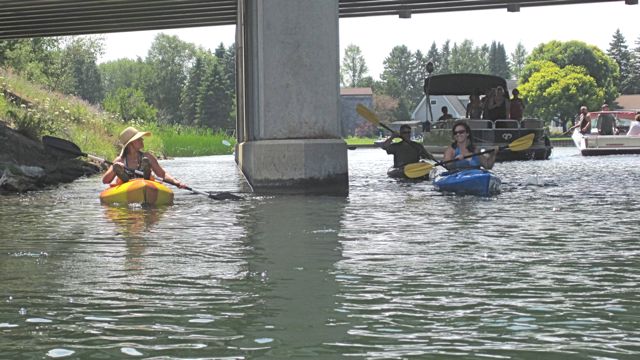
pixel 38 18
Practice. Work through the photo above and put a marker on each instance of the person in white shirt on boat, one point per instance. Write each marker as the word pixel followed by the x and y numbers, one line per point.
pixel 462 147
pixel 132 158
pixel 634 128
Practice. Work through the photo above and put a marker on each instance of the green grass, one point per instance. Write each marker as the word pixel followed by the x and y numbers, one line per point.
pixel 352 140
pixel 185 141
pixel 95 131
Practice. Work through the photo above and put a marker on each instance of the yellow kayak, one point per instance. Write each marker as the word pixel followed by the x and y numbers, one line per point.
pixel 138 191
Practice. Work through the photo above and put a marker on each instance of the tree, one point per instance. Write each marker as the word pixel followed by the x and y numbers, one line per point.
pixel 191 90
pixel 125 73
pixel 37 59
pixel 619 51
pixel 214 103
pixel 518 58
pixel 598 65
pixel 465 58
pixel 354 67
pixel 80 61
pixel 551 90
pixel 634 81
pixel 434 55
pixel 402 76
pixel 170 59
pixel 445 57
pixel 130 105
pixel 497 60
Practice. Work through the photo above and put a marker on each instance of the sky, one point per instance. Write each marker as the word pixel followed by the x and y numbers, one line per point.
pixel 594 24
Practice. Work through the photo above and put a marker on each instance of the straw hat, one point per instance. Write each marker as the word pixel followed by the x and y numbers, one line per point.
pixel 130 135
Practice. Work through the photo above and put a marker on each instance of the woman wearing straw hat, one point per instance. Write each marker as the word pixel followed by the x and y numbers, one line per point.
pixel 133 158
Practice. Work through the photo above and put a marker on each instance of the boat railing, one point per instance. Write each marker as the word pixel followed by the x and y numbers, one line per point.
pixel 531 124
pixel 482 124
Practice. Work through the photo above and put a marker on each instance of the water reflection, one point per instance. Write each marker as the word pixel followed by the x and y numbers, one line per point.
pixel 132 222
pixel 394 271
pixel 295 244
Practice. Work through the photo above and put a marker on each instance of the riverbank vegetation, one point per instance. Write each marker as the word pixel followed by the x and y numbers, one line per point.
pixel 35 111
pixel 185 94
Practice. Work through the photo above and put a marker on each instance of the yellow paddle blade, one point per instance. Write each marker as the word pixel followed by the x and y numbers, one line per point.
pixel 366 113
pixel 522 143
pixel 416 170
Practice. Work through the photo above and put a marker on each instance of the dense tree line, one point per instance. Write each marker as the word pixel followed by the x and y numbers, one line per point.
pixel 176 83
pixel 555 79
pixel 179 83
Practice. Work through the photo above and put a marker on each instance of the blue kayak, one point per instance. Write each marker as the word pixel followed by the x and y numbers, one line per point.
pixel 468 182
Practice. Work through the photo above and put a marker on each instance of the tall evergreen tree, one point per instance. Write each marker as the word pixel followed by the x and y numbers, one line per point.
pixel 634 82
pixel 190 92
pixel 498 62
pixel 619 51
pixel 214 103
pixel 483 59
pixel 518 59
pixel 445 58
pixel 434 55
pixel 465 58
pixel 354 67
pixel 401 76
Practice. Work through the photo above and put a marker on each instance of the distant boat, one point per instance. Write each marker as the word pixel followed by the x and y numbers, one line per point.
pixel 485 133
pixel 596 144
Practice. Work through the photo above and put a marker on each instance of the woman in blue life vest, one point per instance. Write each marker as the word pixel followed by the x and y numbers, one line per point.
pixel 462 146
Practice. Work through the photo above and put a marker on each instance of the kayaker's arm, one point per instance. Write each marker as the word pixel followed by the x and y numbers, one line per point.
pixel 109 175
pixel 424 154
pixel 389 141
pixel 487 160
pixel 161 173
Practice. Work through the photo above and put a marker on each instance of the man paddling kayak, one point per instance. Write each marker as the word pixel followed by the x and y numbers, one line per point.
pixel 406 151
pixel 132 157
pixel 462 146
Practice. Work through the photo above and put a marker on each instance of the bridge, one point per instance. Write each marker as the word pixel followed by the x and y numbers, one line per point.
pixel 287 67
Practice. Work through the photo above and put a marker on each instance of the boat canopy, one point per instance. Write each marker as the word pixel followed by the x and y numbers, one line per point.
pixel 462 84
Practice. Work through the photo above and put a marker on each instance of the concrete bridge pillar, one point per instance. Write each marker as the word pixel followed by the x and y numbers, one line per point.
pixel 288 97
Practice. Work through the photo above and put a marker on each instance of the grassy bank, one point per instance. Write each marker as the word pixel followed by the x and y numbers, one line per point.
pixel 36 111
pixel 352 140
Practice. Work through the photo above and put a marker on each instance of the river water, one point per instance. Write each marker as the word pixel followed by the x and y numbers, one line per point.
pixel 548 269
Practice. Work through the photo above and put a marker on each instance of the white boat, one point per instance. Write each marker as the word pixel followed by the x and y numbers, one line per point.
pixel 596 144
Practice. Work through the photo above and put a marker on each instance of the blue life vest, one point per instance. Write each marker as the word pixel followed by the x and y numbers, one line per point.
pixel 472 162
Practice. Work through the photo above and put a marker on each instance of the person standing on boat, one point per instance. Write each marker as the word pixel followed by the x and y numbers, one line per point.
pixel 634 128
pixel 462 147
pixel 498 104
pixel 584 122
pixel 516 106
pixel 132 157
pixel 406 151
pixel 474 107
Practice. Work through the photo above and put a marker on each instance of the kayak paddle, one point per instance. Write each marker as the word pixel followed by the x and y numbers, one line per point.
pixel 419 169
pixel 370 116
pixel 71 148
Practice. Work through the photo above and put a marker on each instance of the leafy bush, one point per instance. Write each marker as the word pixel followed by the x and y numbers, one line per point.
pixel 130 105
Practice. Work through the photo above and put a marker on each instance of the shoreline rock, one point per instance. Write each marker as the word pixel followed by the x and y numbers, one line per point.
pixel 26 165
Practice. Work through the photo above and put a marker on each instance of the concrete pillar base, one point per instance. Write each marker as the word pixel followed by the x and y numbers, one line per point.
pixel 308 166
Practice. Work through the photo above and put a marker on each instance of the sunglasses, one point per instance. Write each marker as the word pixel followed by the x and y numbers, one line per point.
pixel 460 132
